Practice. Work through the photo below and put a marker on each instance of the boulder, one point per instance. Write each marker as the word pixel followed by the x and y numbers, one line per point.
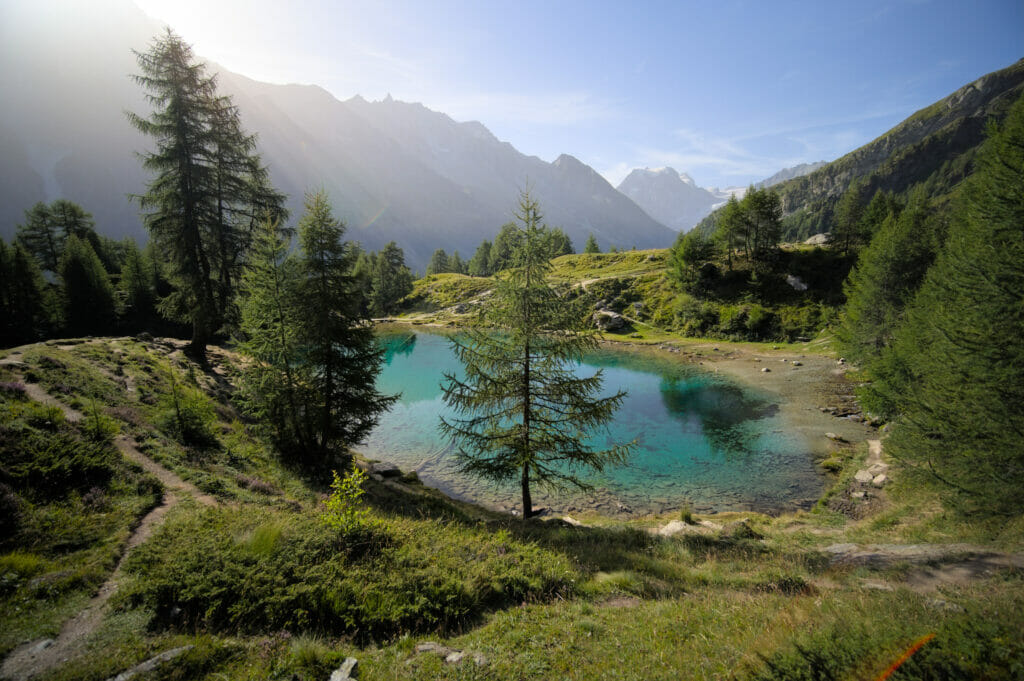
pixel 347 670
pixel 863 477
pixel 818 239
pixel 878 468
pixel 461 308
pixel 607 320
pixel 151 664
pixel 796 282
pixel 879 480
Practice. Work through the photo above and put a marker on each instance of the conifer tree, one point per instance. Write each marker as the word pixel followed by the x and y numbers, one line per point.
pixel 41 237
pixel 505 244
pixel 340 357
pixel 591 245
pixel 391 280
pixel 86 293
pixel 208 190
pixel 455 263
pixel 136 290
pixel 963 402
pixel 269 302
pixel 479 264
pixel 521 411
pixel 846 220
pixel 47 227
pixel 438 263
pixel 27 308
pixel 887 275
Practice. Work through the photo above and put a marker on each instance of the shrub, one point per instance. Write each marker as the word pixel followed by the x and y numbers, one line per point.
pixel 342 511
pixel 52 464
pixel 188 416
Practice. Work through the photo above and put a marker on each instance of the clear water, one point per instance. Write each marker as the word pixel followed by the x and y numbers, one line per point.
pixel 700 440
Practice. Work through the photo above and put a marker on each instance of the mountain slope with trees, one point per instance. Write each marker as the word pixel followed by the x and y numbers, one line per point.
pixel 935 147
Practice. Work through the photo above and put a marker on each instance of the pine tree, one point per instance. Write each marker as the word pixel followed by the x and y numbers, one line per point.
pixel 86 293
pixel 208 190
pixel 731 225
pixel 505 245
pixel 522 413
pixel 591 246
pixel 438 262
pixel 887 275
pixel 689 252
pixel 479 264
pixel 846 220
pixel 963 405
pixel 559 243
pixel 455 263
pixel 340 358
pixel 47 227
pixel 27 309
pixel 136 290
pixel 269 302
pixel 391 280
pixel 41 237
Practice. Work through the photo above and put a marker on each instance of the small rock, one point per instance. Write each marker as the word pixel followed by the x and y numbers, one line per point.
pixel 879 480
pixel 431 647
pixel 152 663
pixel 347 670
pixel 461 308
pixel 572 521
pixel 859 494
pixel 835 438
pixel 878 468
pixel 877 586
pixel 940 604
pixel 454 657
pixel 797 363
pixel 42 645
pixel 765 370
pixel 863 477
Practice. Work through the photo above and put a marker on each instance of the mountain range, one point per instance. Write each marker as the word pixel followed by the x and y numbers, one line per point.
pixel 393 170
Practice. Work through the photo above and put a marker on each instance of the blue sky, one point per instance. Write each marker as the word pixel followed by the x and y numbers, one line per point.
pixel 729 91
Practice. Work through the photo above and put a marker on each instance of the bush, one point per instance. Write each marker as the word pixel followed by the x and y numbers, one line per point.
pixel 188 416
pixel 52 464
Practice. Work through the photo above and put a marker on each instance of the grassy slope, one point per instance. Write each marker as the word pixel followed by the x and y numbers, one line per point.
pixel 635 284
pixel 540 600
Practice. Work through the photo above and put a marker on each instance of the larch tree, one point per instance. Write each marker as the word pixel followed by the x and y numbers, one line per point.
pixel 591 245
pixel 86 293
pixel 390 280
pixel 521 412
pixel 48 226
pixel 208 188
pixel 480 263
pixel 962 400
pixel 27 306
pixel 340 358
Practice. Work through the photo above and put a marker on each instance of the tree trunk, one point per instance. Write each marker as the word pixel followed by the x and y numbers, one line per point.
pixel 527 502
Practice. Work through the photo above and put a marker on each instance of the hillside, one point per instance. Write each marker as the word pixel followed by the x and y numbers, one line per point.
pixel 142 547
pixel 935 147
pixel 393 170
pixel 635 284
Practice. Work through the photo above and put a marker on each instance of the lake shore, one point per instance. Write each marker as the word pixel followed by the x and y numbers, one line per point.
pixel 806 387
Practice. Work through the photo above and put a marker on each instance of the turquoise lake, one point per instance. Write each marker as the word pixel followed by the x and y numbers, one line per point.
pixel 701 440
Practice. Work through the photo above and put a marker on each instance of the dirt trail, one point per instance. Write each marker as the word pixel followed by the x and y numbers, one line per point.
pixel 35 657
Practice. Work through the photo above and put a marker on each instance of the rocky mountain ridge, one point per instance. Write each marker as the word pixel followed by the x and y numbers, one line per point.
pixel 393 170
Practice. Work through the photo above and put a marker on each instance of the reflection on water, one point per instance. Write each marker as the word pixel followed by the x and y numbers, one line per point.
pixel 700 439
